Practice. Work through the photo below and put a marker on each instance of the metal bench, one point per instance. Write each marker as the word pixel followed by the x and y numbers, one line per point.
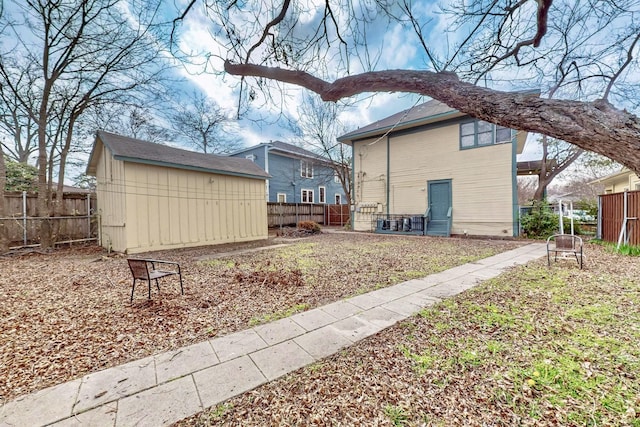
pixel 564 244
pixel 145 269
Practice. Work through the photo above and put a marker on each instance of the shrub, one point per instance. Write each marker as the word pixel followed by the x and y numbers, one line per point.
pixel 541 222
pixel 311 227
pixel 566 224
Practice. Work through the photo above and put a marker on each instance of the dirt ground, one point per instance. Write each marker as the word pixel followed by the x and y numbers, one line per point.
pixel 66 313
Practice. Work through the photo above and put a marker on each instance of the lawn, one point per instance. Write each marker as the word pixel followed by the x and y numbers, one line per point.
pixel 67 313
pixel 536 346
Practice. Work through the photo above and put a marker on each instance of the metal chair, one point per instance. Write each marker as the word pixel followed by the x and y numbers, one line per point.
pixel 145 269
pixel 565 244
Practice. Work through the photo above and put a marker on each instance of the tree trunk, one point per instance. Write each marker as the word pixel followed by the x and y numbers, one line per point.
pixel 594 126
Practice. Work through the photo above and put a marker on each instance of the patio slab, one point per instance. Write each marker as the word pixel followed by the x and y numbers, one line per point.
pixel 114 383
pixel 313 319
pixel 43 407
pixel 281 359
pixel 160 406
pixel 322 342
pixel 279 331
pixel 228 379
pixel 237 344
pixel 177 363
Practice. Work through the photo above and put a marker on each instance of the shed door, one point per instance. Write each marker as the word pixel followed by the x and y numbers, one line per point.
pixel 440 210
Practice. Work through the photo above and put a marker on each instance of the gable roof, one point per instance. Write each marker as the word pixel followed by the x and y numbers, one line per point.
pixel 428 112
pixel 285 148
pixel 139 151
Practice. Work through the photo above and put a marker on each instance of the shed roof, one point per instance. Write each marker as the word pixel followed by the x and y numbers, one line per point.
pixel 139 151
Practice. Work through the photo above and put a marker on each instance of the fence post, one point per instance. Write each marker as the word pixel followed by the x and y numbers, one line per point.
pixel 24 217
pixel 88 215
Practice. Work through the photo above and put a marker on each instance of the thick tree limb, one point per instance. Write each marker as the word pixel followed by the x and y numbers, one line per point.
pixel 595 126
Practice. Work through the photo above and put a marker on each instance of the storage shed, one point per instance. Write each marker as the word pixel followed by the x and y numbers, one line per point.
pixel 154 197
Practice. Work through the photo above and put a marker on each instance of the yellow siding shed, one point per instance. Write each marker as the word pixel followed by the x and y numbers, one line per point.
pixel 154 197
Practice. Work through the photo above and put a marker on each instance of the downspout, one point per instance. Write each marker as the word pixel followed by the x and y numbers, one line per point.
pixel 514 184
pixel 388 176
pixel 266 169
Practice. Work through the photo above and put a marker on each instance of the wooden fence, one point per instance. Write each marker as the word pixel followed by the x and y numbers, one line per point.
pixel 611 217
pixel 77 222
pixel 289 214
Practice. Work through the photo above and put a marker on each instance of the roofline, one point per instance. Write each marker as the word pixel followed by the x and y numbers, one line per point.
pixel 192 168
pixel 401 125
pixel 614 175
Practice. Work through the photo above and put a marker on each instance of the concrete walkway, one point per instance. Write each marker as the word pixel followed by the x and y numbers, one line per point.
pixel 168 387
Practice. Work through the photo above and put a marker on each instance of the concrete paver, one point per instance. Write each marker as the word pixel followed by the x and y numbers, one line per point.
pixel 313 319
pixel 237 344
pixel 279 331
pixel 113 383
pixel 167 387
pixel 341 309
pixel 104 415
pixel 322 342
pixel 175 364
pixel 228 379
pixel 381 317
pixel 45 406
pixel 160 406
pixel 366 301
pixel 355 329
pixel 281 359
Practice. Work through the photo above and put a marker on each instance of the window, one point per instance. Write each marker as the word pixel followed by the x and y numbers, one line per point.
pixel 338 199
pixel 307 196
pixel 306 169
pixel 336 178
pixel 251 157
pixel 282 198
pixel 322 195
pixel 480 134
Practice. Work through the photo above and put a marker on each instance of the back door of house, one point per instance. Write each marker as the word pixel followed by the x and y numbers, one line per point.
pixel 439 195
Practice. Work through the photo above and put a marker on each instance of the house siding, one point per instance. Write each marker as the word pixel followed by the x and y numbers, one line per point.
pixel 110 191
pixel 482 193
pixel 172 208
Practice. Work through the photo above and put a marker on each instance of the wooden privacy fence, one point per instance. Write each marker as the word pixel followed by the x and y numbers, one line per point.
pixel 77 222
pixel 281 214
pixel 618 217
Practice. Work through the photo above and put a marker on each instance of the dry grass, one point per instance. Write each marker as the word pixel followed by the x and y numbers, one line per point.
pixel 532 347
pixel 67 313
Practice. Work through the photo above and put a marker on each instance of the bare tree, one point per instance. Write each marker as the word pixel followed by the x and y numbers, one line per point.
pixel 557 156
pixel 16 122
pixel 4 240
pixel 204 125
pixel 78 55
pixel 318 124
pixel 488 43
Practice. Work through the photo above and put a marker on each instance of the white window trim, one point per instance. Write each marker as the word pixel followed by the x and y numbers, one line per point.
pixel 306 169
pixel 322 194
pixel 336 178
pixel 278 197
pixel 309 193
pixel 338 199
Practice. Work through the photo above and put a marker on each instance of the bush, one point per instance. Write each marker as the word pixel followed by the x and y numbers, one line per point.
pixel 566 223
pixel 541 222
pixel 311 227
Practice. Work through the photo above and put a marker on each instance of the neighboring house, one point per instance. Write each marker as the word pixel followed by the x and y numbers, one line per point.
pixel 433 161
pixel 297 175
pixel 618 182
pixel 153 196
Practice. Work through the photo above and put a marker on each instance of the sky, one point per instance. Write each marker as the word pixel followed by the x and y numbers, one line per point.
pixel 264 121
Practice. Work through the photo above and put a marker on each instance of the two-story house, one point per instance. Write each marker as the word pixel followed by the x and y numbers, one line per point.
pixel 297 175
pixel 435 170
